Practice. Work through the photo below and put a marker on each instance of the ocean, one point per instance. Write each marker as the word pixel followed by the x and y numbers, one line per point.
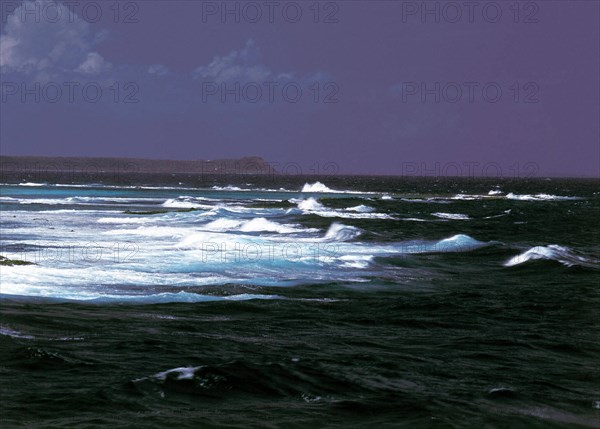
pixel 290 302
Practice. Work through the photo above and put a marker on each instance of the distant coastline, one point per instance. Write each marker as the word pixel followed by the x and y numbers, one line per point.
pixel 42 164
pixel 115 169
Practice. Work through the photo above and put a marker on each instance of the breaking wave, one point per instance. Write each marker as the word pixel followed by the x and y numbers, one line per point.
pixel 312 206
pixel 553 252
pixel 451 216
pixel 539 197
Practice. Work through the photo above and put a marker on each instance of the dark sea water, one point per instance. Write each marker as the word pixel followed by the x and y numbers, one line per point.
pixel 290 302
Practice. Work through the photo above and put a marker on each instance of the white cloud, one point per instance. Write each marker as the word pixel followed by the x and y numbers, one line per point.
pixel 94 64
pixel 158 69
pixel 7 50
pixel 31 44
pixel 243 66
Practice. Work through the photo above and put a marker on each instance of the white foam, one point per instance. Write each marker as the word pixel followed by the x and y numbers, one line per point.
pixel 259 224
pixel 151 231
pixel 320 188
pixel 356 261
pixel 552 252
pixel 457 243
pixel 262 224
pixel 313 206
pixel 452 216
pixel 361 209
pixel 467 197
pixel 81 200
pixel 339 232
pixel 317 187
pixel 185 203
pixel 181 373
pixel 227 188
pixel 4 330
pixel 438 200
pixel 539 197
pixel 495 192
pixel 222 224
pixel 125 220
pixel 100 280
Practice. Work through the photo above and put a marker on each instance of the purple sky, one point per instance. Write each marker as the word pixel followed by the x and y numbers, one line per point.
pixel 386 87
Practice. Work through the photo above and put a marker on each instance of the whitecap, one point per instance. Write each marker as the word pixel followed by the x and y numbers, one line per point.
pixel 33 184
pixel 458 242
pixel 451 216
pixel 259 224
pixel 539 197
pixel 467 197
pixel 125 220
pixel 4 330
pixel 361 209
pixel 317 187
pixel 552 252
pixel 181 373
pixel 185 203
pixel 227 188
pixel 340 232
pixel 320 188
pixel 313 206
pixel 310 204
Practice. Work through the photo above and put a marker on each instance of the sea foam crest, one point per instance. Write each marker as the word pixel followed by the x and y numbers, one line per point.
pixel 340 232
pixel 361 209
pixel 259 224
pixel 310 204
pixel 552 252
pixel 313 206
pixel 185 203
pixel 459 242
pixel 227 188
pixel 317 187
pixel 539 197
pixel 451 216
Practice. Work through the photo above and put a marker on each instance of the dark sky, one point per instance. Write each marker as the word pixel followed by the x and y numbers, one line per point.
pixel 407 87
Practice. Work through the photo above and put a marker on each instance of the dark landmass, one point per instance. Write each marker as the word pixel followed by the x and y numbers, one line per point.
pixel 15 169
pixel 33 164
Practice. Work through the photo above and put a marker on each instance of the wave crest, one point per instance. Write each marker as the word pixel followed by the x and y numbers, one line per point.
pixel 340 232
pixel 317 187
pixel 553 252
